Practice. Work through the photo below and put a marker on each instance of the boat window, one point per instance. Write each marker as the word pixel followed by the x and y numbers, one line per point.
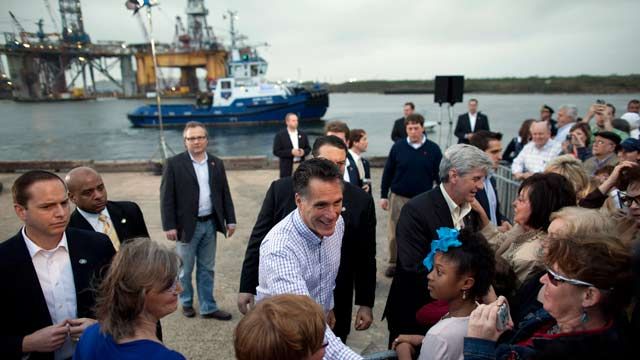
pixel 225 85
pixel 254 70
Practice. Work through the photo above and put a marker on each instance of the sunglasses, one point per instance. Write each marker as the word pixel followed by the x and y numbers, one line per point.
pixel 556 278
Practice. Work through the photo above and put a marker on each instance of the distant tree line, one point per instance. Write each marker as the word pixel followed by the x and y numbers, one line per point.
pixel 574 84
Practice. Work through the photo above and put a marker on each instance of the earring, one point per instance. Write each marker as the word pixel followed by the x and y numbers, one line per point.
pixel 584 318
pixel 464 294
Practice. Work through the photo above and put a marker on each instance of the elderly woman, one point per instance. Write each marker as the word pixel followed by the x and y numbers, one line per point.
pixel 586 285
pixel 538 196
pixel 140 288
pixel 569 221
pixel 283 327
pixel 571 168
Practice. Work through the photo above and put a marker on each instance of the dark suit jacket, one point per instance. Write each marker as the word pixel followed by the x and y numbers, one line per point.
pixel 399 130
pixel 357 262
pixel 282 147
pixel 463 126
pixel 354 175
pixel 419 220
pixel 179 194
pixel 484 201
pixel 126 217
pixel 23 308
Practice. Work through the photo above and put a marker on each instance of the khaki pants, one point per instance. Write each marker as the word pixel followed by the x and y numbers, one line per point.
pixel 396 202
pixel 295 167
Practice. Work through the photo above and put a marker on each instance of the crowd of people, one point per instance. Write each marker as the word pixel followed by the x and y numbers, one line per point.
pixel 555 281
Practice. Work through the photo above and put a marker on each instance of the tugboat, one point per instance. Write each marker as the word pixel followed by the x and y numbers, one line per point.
pixel 242 98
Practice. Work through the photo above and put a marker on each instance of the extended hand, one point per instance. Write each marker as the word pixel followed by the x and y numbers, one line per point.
pixel 77 327
pixel 482 321
pixel 46 339
pixel 245 302
pixel 364 318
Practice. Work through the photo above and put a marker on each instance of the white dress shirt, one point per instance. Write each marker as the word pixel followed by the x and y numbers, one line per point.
pixel 92 219
pixel 417 145
pixel 472 121
pixel 457 212
pixel 293 136
pixel 533 159
pixel 55 275
pixel 205 207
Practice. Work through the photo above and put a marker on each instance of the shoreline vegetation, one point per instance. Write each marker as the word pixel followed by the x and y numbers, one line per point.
pixel 583 84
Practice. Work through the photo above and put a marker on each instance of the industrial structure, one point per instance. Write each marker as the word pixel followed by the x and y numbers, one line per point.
pixel 58 66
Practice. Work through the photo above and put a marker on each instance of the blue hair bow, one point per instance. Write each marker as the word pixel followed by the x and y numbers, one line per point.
pixel 447 237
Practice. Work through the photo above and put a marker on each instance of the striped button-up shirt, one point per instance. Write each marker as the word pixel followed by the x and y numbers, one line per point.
pixel 294 260
pixel 533 159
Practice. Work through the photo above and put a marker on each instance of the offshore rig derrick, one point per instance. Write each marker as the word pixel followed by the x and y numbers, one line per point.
pixel 61 66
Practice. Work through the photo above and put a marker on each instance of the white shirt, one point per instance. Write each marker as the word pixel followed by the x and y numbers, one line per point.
pixel 493 201
pixel 205 207
pixel 472 121
pixel 358 162
pixel 457 212
pixel 55 275
pixel 293 136
pixel 445 340
pixel 92 219
pixel 563 131
pixel 534 160
pixel 418 145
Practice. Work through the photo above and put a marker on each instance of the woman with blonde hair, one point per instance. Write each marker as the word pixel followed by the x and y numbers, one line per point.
pixel 140 288
pixel 571 168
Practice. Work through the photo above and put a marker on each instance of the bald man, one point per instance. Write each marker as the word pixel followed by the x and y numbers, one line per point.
pixel 120 220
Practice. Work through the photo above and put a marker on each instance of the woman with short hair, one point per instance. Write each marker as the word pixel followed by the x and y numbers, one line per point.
pixel 538 196
pixel 283 327
pixel 587 286
pixel 140 288
pixel 571 168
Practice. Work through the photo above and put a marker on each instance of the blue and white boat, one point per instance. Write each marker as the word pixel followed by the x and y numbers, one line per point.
pixel 243 98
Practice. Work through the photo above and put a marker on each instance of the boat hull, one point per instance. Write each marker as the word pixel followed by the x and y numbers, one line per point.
pixel 308 106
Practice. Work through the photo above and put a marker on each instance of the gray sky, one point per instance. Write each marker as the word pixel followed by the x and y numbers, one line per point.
pixel 337 40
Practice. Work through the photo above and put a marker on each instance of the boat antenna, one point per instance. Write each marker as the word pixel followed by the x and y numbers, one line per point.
pixel 136 5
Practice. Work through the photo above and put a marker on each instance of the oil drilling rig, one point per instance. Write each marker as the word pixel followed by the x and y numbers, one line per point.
pixel 63 65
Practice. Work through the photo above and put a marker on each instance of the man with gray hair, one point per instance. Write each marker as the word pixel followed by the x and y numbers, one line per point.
pixel 567 116
pixel 462 172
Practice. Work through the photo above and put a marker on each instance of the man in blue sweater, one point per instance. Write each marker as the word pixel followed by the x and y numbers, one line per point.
pixel 411 169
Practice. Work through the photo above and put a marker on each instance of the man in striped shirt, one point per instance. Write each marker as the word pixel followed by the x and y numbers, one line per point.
pixel 535 156
pixel 301 254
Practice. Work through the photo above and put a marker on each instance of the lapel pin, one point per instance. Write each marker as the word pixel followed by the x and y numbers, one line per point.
pixel 82 261
pixel 344 209
pixel 213 163
pixel 123 221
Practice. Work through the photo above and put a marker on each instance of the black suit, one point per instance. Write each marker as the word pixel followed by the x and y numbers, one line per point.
pixel 399 130
pixel 354 175
pixel 179 193
pixel 23 308
pixel 483 199
pixel 419 220
pixel 357 258
pixel 282 147
pixel 126 217
pixel 463 126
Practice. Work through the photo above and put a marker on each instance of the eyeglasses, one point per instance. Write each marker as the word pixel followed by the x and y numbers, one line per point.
pixel 603 142
pixel 556 278
pixel 196 138
pixel 628 200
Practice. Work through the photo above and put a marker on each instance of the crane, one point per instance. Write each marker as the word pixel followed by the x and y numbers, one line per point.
pixel 53 18
pixel 24 36
pixel 181 38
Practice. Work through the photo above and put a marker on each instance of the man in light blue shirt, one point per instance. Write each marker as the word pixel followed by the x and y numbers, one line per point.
pixel 301 254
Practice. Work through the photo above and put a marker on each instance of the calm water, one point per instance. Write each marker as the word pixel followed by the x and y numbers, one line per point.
pixel 99 130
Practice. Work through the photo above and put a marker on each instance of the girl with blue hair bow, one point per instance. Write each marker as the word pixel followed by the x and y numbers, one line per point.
pixel 461 268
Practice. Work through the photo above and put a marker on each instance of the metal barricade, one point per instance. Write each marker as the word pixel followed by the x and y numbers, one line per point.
pixel 507 189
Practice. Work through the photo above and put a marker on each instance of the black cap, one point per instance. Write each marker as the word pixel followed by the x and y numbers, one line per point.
pixel 630 145
pixel 609 135
pixel 547 107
